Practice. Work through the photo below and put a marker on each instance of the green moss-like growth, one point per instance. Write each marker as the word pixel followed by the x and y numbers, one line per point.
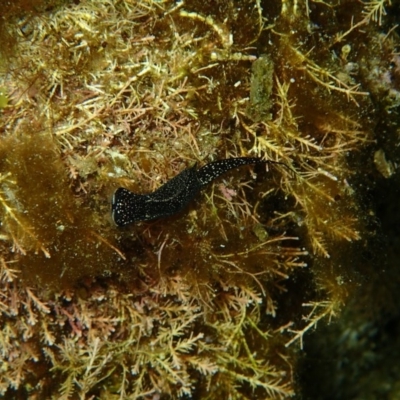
pixel 3 98
pixel 261 89
pixel 58 238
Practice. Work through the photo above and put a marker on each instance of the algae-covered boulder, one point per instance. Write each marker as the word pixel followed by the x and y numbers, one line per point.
pixel 213 301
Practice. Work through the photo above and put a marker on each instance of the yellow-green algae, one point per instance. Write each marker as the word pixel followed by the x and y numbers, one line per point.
pixel 3 98
pixel 120 93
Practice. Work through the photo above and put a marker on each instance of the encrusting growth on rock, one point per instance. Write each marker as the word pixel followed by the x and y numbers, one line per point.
pixel 96 96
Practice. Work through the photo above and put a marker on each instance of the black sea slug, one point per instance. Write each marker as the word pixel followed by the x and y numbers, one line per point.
pixel 174 195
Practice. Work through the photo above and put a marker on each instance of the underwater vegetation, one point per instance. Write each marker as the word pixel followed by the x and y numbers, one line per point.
pixel 216 299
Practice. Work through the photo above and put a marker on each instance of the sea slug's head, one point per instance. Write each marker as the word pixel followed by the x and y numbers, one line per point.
pixel 127 207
